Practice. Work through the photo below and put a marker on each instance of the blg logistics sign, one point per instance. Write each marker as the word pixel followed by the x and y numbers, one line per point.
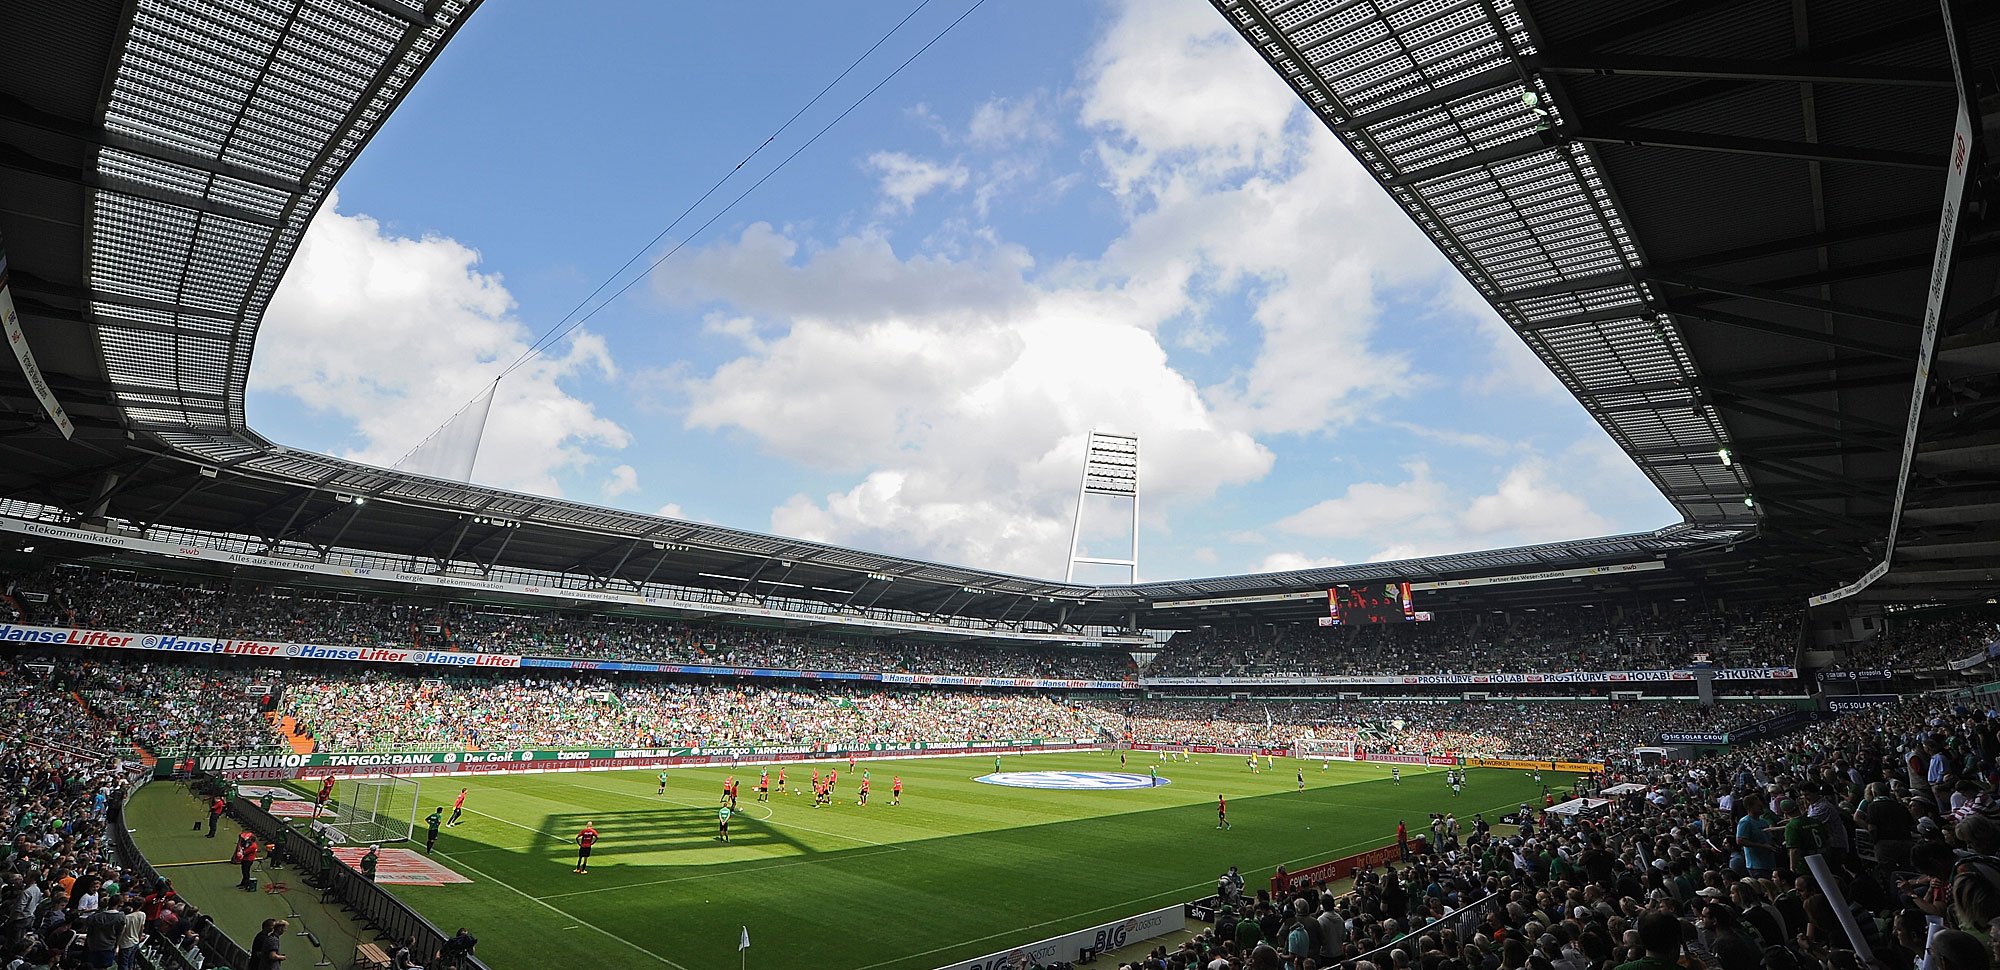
pixel 1097 939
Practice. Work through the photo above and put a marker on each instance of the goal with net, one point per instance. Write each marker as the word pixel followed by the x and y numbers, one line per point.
pixel 373 810
pixel 1323 749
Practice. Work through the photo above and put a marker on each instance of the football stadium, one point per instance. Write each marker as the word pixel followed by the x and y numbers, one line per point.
pixel 292 699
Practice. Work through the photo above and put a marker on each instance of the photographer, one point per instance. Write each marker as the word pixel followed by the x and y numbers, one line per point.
pixel 456 949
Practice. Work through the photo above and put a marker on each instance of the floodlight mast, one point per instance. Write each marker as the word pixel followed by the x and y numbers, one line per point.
pixel 1110 467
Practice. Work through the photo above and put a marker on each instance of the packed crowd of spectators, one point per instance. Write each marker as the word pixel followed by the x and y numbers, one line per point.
pixel 174 708
pixel 1547 730
pixel 76 596
pixel 383 711
pixel 1923 640
pixel 68 900
pixel 1548 640
pixel 158 705
pixel 1706 866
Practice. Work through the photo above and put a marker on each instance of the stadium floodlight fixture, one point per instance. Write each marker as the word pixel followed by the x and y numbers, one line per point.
pixel 1725 456
pixel 1749 501
pixel 1543 119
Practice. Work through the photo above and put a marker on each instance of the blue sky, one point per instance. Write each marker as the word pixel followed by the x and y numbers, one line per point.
pixel 1061 217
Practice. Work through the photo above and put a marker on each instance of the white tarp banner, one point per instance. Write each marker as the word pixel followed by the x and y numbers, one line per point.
pixel 18 339
pixel 1959 157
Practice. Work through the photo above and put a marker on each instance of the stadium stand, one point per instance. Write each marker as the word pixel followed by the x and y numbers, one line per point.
pixel 1542 641
pixel 1700 864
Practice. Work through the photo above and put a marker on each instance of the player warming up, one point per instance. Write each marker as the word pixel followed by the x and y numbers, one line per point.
pixel 663 781
pixel 764 785
pixel 863 800
pixel 584 840
pixel 723 816
pixel 1301 772
pixel 1396 773
pixel 896 791
pixel 781 778
pixel 1221 812
pixel 457 807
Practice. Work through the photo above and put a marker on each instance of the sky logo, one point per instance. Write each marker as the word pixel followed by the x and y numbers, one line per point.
pixel 1071 780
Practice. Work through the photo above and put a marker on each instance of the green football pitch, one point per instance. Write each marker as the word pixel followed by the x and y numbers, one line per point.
pixel 959 870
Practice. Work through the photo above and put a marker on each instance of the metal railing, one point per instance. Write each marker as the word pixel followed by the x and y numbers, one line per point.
pixel 374 906
pixel 216 946
pixel 1443 920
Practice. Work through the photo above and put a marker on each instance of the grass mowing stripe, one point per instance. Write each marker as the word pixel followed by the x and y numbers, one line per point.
pixel 990 865
pixel 713 875
pixel 656 798
pixel 1324 854
pixel 580 921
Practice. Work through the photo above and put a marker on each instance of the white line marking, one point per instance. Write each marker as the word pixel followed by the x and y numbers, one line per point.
pixel 580 921
pixel 1332 853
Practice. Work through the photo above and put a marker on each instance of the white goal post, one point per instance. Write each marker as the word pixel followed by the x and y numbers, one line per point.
pixel 1323 749
pixel 372 810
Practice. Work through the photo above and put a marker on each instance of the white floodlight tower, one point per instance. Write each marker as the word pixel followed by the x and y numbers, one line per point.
pixel 1110 467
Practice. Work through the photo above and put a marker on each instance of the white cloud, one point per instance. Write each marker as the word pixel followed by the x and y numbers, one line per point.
pixel 906 178
pixel 958 383
pixel 1421 516
pixel 395 334
pixel 1230 182
pixel 1373 508
pixel 671 510
pixel 999 122
pixel 1185 91
pixel 1284 562
pixel 624 480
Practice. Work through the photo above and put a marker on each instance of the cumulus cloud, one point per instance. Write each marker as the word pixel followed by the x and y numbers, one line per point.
pixel 1284 562
pixel 905 178
pixel 1421 516
pixel 958 385
pixel 965 417
pixel 624 480
pixel 393 334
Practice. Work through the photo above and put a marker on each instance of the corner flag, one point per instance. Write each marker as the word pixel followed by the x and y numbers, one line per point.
pixel 745 945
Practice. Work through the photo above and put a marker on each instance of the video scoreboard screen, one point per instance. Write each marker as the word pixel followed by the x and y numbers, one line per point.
pixel 1370 603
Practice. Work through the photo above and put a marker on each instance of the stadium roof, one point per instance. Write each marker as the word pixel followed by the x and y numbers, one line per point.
pixel 1714 220
pixel 159 161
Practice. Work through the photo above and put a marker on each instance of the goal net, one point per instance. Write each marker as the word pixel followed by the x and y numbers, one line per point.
pixel 1323 749
pixel 373 810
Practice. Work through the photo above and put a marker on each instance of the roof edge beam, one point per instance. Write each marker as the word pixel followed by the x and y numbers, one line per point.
pixel 1789 71
pixel 1740 145
pixel 1740 322
pixel 1748 291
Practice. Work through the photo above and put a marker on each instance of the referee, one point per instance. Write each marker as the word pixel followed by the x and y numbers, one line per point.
pixel 584 840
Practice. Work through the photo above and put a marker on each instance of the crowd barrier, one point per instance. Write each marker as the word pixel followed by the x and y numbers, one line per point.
pixel 217 947
pixel 374 906
pixel 1345 866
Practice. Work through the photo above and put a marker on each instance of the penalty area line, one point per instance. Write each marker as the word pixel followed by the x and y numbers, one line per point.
pixel 580 921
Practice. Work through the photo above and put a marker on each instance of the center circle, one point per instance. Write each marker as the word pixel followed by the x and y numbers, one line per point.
pixel 1072 780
